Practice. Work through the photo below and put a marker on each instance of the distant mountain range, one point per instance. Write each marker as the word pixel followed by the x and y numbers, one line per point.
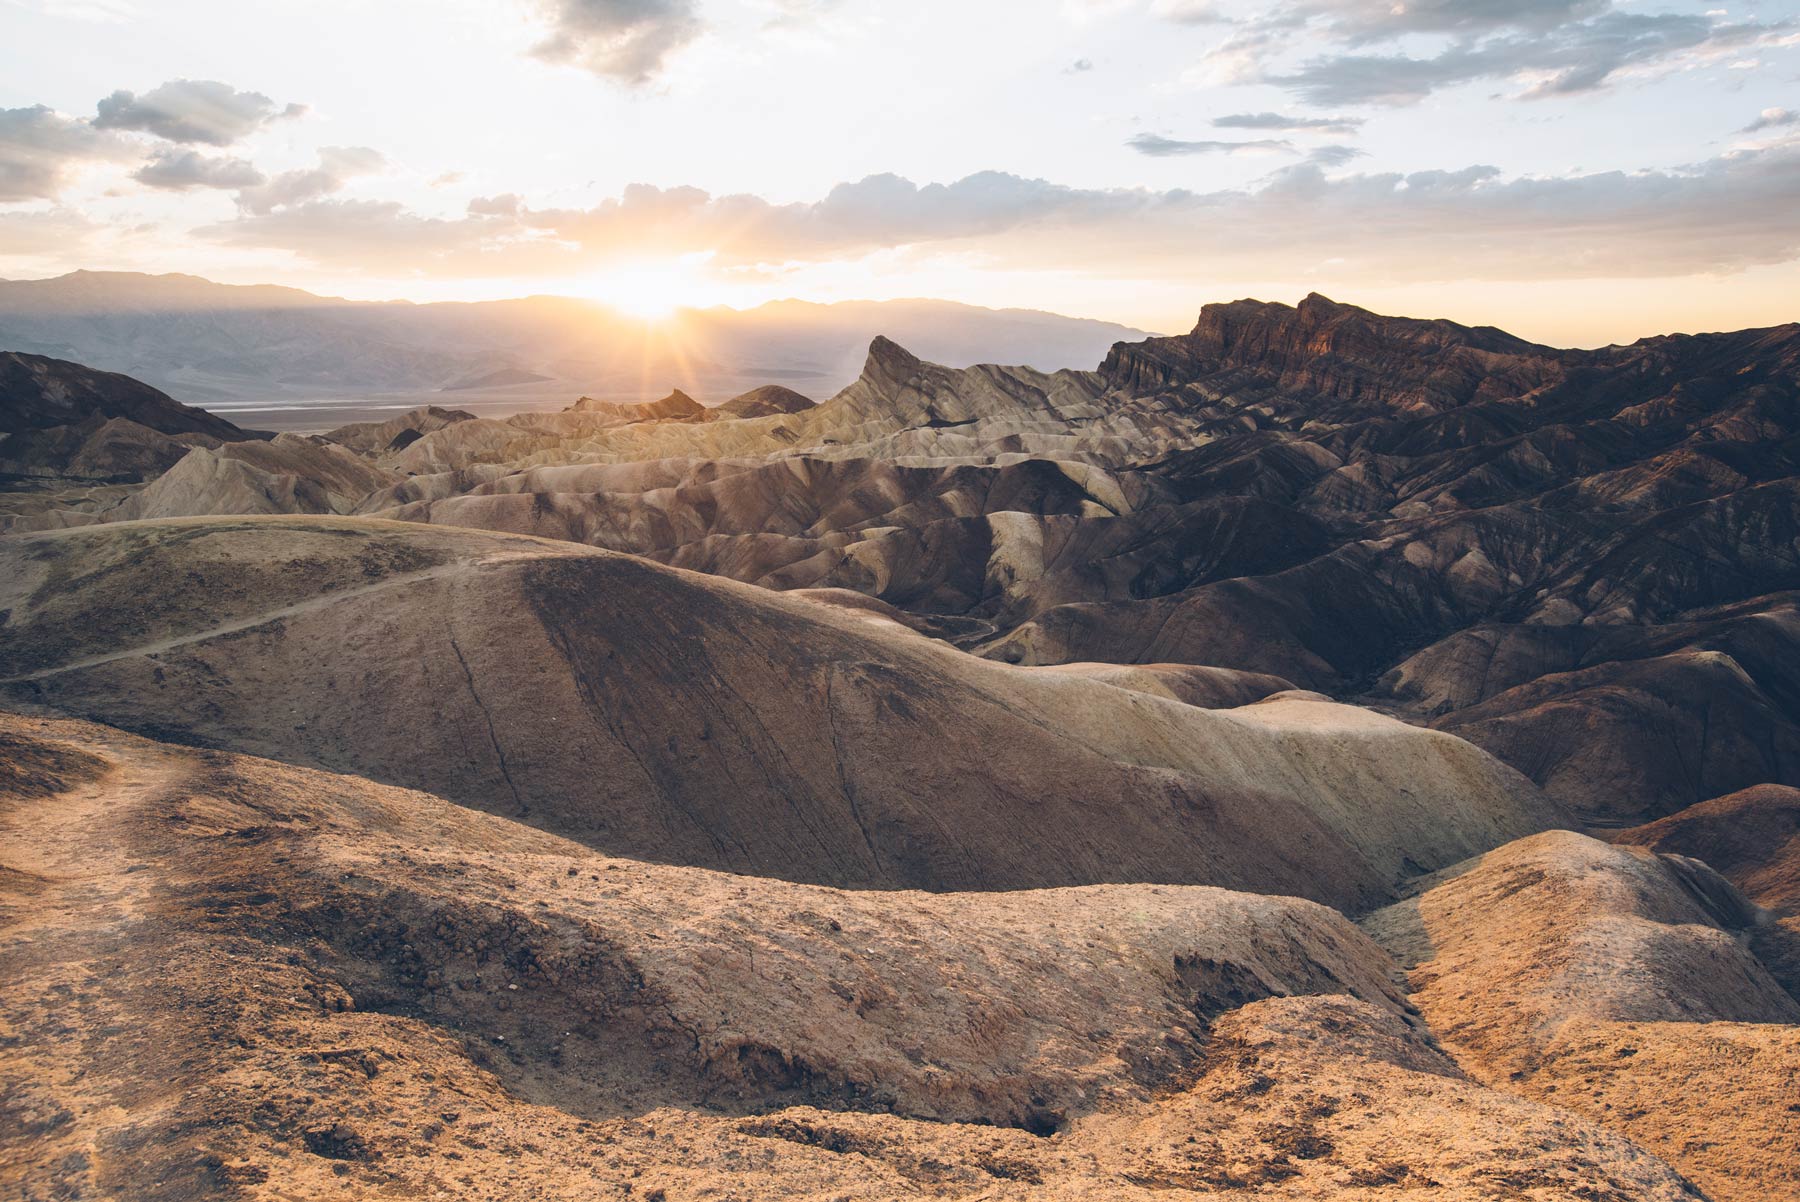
pixel 202 341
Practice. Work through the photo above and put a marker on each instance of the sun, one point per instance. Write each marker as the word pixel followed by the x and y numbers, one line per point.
pixel 648 291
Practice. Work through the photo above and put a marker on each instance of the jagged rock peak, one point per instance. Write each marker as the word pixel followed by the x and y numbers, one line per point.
pixel 889 359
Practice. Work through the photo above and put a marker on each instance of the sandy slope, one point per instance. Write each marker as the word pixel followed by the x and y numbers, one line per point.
pixel 675 717
pixel 1614 982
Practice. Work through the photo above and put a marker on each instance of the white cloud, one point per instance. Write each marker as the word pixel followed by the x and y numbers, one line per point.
pixel 625 40
pixel 192 110
pixel 1283 123
pixel 1772 119
pixel 180 170
pixel 337 166
pixel 1157 146
pixel 40 150
pixel 1735 211
pixel 1360 51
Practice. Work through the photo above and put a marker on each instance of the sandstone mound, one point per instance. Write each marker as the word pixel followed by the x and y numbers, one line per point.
pixel 680 718
pixel 767 401
pixel 1752 837
pixel 288 474
pixel 397 433
pixel 421 996
pixel 1613 981
pixel 677 406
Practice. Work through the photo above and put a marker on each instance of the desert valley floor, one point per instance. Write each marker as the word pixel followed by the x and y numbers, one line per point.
pixel 1321 755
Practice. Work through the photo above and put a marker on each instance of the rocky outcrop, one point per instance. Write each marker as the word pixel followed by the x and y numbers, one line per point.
pixel 39 393
pixel 395 434
pixel 1338 355
pixel 899 408
pixel 770 400
pixel 677 406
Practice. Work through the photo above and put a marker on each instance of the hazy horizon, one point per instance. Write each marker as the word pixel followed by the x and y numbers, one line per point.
pixel 775 301
pixel 566 296
pixel 1576 171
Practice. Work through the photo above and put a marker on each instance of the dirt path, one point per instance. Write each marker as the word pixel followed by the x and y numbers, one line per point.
pixel 76 885
pixel 310 605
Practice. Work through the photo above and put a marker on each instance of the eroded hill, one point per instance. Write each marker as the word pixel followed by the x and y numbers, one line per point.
pixel 1318 756
pixel 676 717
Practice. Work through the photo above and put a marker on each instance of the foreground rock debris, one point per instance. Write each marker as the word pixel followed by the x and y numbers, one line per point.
pixel 1320 756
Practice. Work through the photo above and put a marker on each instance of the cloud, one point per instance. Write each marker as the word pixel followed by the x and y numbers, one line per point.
pixel 1189 12
pixel 192 110
pixel 507 204
pixel 337 166
pixel 179 170
pixel 1576 58
pixel 1334 156
pixel 1160 147
pixel 1080 65
pixel 356 233
pixel 623 40
pixel 40 149
pixel 29 233
pixel 1551 47
pixel 1738 210
pixel 1357 21
pixel 1772 119
pixel 1281 122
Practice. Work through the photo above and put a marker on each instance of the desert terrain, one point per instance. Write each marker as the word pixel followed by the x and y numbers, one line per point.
pixel 1317 756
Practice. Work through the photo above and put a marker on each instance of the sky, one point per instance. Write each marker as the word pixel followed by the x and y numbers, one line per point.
pixel 1577 171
